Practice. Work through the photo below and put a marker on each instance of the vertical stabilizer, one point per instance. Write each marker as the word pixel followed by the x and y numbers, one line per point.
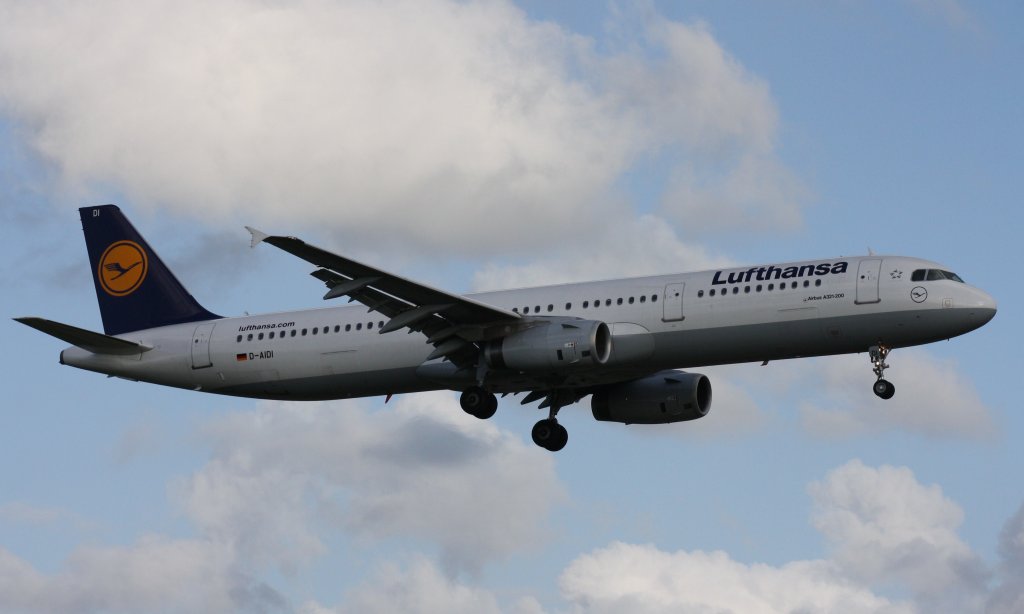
pixel 134 287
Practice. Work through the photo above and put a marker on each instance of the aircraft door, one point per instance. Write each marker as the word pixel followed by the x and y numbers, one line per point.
pixel 867 281
pixel 673 302
pixel 201 346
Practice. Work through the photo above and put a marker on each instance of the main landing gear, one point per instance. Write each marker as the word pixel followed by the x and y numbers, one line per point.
pixel 547 433
pixel 883 387
pixel 478 402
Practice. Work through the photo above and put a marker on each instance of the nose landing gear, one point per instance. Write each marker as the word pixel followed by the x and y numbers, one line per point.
pixel 883 388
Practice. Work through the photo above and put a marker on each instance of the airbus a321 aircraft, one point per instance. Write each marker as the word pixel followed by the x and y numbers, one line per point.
pixel 619 341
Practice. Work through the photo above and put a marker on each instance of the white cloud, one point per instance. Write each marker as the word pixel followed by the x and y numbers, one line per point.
pixel 933 398
pixel 1008 595
pixel 461 127
pixel 154 574
pixel 419 588
pixel 284 478
pixel 646 245
pixel 886 532
pixel 887 528
pixel 641 578
pixel 422 470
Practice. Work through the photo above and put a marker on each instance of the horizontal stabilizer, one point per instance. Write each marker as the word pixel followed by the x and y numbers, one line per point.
pixel 88 340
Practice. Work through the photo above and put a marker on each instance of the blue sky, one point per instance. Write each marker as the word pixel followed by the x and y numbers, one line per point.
pixel 483 145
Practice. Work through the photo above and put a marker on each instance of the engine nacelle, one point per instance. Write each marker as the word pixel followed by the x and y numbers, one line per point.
pixel 668 396
pixel 559 344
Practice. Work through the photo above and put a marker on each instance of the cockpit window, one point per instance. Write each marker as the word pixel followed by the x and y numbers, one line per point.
pixel 934 275
pixel 937 275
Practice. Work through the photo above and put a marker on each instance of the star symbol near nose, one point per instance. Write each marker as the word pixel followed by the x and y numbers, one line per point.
pixel 896 274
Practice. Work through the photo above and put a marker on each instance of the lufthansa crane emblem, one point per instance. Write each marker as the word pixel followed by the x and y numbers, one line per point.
pixel 122 268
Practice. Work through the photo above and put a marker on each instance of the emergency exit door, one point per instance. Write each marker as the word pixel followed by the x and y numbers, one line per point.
pixel 201 346
pixel 673 302
pixel 867 281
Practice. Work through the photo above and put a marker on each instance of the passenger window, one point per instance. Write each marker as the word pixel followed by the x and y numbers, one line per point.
pixel 348 327
pixel 817 282
pixel 315 329
pixel 746 290
pixel 807 283
pixel 758 287
pixel 337 328
pixel 586 304
pixel 631 300
pixel 239 340
pixel 551 308
pixel 568 306
pixel 608 302
pixel 369 325
pixel 771 287
pixel 793 285
pixel 293 332
pixel 736 290
pixel 712 293
pixel 515 310
pixel 359 326
pixel 700 293
pixel 536 309
pixel 619 302
pixel 249 338
pixel 654 298
pixel 271 334
pixel 260 338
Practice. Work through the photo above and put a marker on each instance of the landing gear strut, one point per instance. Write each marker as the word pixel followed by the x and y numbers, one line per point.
pixel 883 387
pixel 478 402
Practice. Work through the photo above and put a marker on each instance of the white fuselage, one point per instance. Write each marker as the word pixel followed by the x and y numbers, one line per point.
pixel 664 322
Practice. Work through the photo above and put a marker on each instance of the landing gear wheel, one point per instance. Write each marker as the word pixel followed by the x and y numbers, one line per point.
pixel 478 402
pixel 550 435
pixel 488 410
pixel 884 389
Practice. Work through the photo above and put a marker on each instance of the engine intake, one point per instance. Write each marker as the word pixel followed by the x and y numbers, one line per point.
pixel 560 345
pixel 668 396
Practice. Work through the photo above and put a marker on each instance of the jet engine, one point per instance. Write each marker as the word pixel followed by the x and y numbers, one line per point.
pixel 558 344
pixel 668 396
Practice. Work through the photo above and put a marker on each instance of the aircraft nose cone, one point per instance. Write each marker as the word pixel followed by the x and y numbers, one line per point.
pixel 987 307
pixel 981 307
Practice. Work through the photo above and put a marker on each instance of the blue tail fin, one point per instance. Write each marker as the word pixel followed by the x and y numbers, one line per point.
pixel 134 287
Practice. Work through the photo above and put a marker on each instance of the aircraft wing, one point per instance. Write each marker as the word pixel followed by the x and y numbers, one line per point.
pixel 451 323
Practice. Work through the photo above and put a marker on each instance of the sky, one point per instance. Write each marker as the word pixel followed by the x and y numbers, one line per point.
pixel 480 145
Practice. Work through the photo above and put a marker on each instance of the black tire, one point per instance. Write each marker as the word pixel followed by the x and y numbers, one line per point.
pixel 476 401
pixel 884 389
pixel 550 435
pixel 490 406
pixel 473 399
pixel 561 438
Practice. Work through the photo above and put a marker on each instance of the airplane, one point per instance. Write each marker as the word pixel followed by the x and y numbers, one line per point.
pixel 623 342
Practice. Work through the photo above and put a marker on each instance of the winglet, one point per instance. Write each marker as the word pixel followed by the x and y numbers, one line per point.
pixel 257 236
